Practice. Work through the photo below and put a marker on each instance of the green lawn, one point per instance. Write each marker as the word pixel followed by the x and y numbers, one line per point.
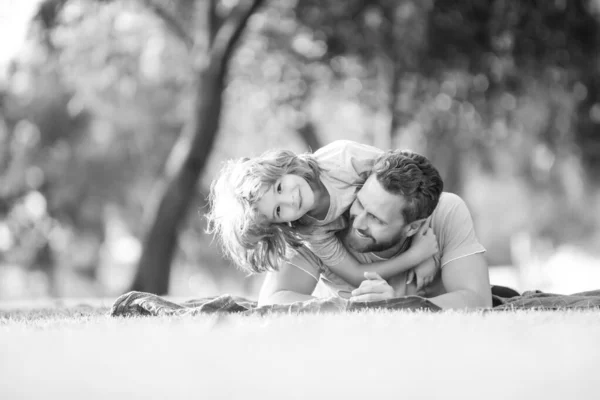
pixel 79 353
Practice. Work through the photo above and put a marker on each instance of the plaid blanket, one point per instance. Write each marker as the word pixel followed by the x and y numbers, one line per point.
pixel 146 304
pixel 548 301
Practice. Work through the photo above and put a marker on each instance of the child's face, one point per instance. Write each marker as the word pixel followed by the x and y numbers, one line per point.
pixel 288 199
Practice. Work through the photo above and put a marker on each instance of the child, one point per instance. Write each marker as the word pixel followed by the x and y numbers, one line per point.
pixel 263 208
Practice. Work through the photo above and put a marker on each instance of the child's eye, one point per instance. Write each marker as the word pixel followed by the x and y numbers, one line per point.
pixel 279 188
pixel 278 210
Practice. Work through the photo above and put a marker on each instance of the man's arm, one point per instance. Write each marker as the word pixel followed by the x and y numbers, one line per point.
pixel 465 274
pixel 288 285
pixel 467 283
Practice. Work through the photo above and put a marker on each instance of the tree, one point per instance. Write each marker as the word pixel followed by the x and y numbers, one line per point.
pixel 32 202
pixel 188 157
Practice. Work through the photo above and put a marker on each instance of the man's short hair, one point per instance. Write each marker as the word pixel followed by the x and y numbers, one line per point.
pixel 411 175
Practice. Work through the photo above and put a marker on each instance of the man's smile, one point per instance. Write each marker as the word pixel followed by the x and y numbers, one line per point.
pixel 361 235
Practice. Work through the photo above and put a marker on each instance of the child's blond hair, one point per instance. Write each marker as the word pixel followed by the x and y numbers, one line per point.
pixel 246 237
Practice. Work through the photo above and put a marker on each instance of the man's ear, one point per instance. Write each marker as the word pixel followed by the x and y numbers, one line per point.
pixel 413 227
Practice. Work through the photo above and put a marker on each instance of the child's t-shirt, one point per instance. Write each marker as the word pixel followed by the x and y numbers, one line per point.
pixel 345 167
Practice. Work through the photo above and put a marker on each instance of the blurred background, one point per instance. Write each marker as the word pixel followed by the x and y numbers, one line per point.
pixel 116 115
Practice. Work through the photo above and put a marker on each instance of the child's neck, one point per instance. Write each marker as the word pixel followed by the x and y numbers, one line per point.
pixel 322 201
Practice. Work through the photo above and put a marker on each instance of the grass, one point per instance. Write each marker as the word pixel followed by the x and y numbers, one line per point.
pixel 80 353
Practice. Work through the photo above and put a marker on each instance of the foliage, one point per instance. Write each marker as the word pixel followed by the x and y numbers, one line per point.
pixel 500 94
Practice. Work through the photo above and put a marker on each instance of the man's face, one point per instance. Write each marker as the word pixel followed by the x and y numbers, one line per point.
pixel 376 221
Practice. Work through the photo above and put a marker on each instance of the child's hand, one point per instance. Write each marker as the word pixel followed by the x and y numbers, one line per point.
pixel 424 244
pixel 424 272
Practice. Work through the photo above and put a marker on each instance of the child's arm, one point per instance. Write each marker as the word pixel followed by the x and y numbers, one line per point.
pixel 424 273
pixel 353 272
pixel 343 264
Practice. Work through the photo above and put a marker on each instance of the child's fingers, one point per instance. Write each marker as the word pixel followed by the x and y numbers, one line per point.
pixel 420 282
pixel 429 233
pixel 410 275
pixel 424 227
pixel 427 281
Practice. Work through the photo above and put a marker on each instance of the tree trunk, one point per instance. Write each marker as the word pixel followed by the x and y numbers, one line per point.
pixel 159 248
pixel 309 135
pixel 187 160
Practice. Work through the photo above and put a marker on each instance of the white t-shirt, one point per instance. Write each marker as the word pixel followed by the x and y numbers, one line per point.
pixel 453 226
pixel 346 165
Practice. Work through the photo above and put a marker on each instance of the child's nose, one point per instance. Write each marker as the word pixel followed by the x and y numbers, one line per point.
pixel 290 198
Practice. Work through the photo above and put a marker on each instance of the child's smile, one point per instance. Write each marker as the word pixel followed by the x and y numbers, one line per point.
pixel 287 200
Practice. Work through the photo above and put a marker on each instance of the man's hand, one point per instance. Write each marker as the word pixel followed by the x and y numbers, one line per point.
pixel 373 288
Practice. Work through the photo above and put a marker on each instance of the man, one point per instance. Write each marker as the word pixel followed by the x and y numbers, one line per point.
pixel 402 193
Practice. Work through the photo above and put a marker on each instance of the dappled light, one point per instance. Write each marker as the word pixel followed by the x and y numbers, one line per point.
pixel 152 247
pixel 100 104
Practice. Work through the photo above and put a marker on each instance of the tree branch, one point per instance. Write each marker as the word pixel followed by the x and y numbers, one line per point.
pixel 309 135
pixel 214 21
pixel 360 8
pixel 231 30
pixel 171 22
pixel 47 16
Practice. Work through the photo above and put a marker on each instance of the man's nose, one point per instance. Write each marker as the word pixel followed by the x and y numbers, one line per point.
pixel 360 221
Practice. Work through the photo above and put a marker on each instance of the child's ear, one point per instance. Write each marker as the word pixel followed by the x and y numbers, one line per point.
pixel 414 227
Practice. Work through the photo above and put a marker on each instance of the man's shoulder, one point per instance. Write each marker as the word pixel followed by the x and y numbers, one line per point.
pixel 453 225
pixel 449 201
pixel 450 211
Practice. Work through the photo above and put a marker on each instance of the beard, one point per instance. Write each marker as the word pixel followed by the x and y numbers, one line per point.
pixel 367 243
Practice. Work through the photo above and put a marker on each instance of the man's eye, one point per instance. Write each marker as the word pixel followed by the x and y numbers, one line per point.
pixel 278 210
pixel 279 188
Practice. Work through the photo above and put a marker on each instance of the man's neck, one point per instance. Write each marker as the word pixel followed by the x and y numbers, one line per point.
pixel 394 250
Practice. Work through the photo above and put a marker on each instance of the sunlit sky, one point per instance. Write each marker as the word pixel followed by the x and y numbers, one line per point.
pixel 14 18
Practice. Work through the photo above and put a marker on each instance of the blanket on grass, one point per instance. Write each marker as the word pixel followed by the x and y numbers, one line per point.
pixel 146 304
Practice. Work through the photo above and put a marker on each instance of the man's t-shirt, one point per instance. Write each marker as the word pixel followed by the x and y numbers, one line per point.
pixel 453 226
